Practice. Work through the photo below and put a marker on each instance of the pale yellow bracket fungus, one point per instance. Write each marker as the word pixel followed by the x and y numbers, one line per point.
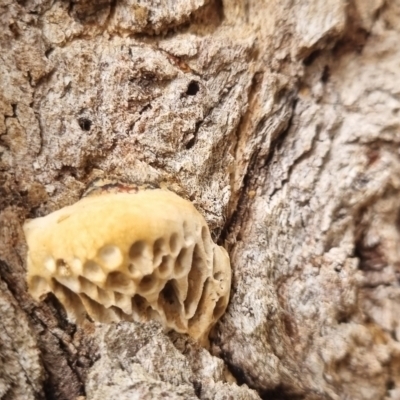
pixel 131 256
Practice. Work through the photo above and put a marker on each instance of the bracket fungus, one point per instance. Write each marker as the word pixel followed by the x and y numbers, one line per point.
pixel 128 255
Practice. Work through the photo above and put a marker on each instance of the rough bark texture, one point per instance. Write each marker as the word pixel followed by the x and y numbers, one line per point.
pixel 280 121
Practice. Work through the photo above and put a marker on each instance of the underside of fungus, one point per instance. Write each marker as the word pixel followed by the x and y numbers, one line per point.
pixel 131 256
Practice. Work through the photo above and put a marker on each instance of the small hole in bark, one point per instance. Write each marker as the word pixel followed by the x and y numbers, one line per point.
pixel 85 124
pixel 190 143
pixel 325 74
pixel 193 88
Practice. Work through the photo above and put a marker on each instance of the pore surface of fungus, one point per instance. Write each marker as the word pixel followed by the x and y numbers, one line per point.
pixel 131 256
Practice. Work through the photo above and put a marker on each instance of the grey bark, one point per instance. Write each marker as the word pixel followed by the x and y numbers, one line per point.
pixel 280 121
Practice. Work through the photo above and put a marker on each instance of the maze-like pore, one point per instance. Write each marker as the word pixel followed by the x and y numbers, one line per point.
pixel 131 256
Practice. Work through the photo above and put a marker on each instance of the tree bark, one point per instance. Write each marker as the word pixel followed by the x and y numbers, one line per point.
pixel 280 121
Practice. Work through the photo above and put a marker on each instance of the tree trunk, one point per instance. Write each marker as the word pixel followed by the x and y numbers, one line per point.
pixel 280 121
